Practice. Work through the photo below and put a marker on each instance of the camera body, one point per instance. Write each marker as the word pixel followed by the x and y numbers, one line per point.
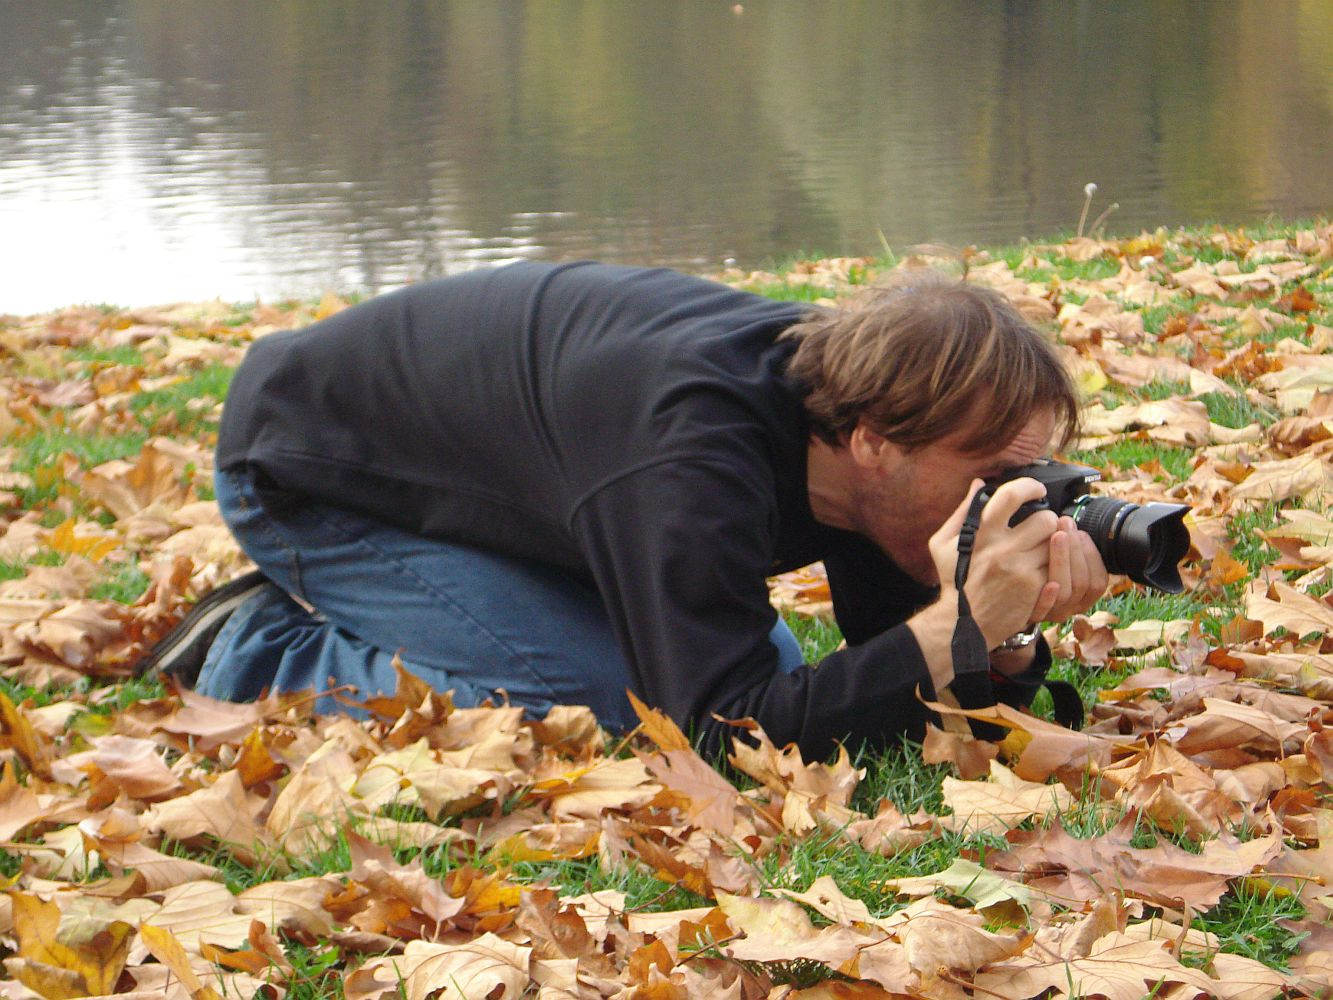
pixel 1065 486
pixel 1143 541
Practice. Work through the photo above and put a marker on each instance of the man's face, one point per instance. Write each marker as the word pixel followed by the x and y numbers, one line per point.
pixel 904 498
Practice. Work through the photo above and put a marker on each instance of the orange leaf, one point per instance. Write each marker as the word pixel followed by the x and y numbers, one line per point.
pixel 658 726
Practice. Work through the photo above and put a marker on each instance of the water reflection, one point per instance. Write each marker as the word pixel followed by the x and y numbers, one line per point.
pixel 155 149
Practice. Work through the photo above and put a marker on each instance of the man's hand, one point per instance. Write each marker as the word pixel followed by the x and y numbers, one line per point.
pixel 1078 576
pixel 1077 579
pixel 1041 569
pixel 1008 582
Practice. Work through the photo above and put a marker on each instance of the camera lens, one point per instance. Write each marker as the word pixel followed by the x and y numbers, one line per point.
pixel 1143 541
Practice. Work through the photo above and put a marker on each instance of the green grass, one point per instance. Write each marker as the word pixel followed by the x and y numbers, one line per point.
pixel 1247 922
pixel 1235 411
pixel 190 402
pixel 40 449
pixel 818 636
pixel 317 971
pixel 809 292
pixel 95 355
pixel 125 584
pixel 1133 453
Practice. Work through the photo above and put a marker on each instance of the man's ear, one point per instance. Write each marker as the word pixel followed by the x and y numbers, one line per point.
pixel 869 448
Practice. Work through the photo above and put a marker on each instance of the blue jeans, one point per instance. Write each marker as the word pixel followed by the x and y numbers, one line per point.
pixel 461 618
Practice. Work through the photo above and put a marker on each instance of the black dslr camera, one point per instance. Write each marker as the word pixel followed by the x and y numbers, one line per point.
pixel 1142 541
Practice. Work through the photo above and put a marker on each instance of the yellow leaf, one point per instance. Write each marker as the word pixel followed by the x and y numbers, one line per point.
pixel 95 548
pixel 57 969
pixel 329 305
pixel 19 734
pixel 167 950
pixel 1088 376
pixel 658 726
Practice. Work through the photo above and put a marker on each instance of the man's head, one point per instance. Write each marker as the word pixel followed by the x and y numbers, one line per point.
pixel 926 357
pixel 927 386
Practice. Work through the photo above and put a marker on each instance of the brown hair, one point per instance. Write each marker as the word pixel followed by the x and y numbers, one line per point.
pixel 924 356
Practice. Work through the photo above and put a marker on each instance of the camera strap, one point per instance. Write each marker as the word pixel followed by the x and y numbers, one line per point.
pixel 971 684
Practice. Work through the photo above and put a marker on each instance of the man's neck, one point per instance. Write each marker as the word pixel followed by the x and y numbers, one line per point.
pixel 829 473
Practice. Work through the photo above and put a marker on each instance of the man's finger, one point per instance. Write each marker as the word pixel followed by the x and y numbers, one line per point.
pixel 1032 530
pixel 1059 568
pixel 953 526
pixel 1050 593
pixel 1098 577
pixel 1010 496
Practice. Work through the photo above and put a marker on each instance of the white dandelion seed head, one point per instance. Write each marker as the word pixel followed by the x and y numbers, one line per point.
pixel 1090 189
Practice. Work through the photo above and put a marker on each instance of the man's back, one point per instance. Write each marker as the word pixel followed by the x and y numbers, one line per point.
pixel 486 407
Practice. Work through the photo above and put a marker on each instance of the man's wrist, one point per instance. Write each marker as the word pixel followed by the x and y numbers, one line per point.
pixel 932 627
pixel 1021 639
pixel 1012 662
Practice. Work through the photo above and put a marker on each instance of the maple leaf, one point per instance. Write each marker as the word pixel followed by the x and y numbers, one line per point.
pixel 223 811
pixel 826 898
pixel 134 766
pixel 778 930
pixel 888 832
pixel 1037 748
pixel 996 805
pixel 115 837
pixel 487 966
pixel 781 770
pixel 316 802
pixel 199 912
pixel 19 734
pixel 986 889
pixel 1280 606
pixel 1229 724
pixel 1117 969
pixel 1084 870
pixel 556 931
pixel 710 800
pixel 939 939
pixel 440 789
pixel 208 723
pixel 658 726
pixel 1165 784
pixel 587 791
pixel 295 906
pixel 167 950
pixel 75 633
pixel 409 902
pixel 970 757
pixel 57 968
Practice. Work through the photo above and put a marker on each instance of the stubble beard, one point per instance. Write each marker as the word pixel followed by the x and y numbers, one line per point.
pixel 890 517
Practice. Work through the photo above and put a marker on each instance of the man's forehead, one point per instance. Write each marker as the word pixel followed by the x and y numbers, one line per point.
pixel 1033 441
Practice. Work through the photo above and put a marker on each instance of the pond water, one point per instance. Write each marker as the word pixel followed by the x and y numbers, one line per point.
pixel 153 150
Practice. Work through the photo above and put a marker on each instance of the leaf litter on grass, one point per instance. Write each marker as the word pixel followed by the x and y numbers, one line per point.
pixel 163 844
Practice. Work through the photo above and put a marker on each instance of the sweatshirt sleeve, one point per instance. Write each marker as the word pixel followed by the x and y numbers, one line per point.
pixel 681 551
pixel 871 594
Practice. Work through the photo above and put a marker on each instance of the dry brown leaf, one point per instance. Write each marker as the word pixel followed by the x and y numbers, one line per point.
pixel 1118 968
pixel 487 966
pixel 999 804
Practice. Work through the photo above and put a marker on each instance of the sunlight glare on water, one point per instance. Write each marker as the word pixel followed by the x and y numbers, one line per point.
pixel 154 151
